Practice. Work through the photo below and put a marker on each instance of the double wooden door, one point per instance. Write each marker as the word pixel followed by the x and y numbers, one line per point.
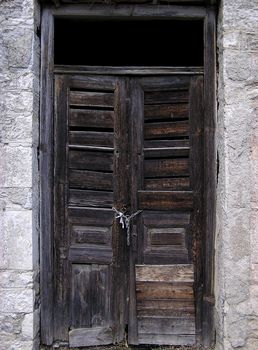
pixel 127 143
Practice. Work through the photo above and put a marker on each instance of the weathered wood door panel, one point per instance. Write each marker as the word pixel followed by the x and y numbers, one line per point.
pixel 167 161
pixel 132 144
pixel 90 165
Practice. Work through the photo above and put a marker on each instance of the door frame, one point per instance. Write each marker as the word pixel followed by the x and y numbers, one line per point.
pixel 205 270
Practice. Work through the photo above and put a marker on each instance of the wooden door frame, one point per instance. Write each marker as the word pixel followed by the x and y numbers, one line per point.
pixel 205 300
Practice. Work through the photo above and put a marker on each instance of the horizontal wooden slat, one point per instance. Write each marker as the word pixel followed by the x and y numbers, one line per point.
pixel 164 273
pixel 90 216
pixel 90 180
pixel 161 200
pixel 166 304
pixel 166 167
pixel 90 198
pixel 169 184
pixel 89 254
pixel 163 130
pixel 163 290
pixel 166 256
pixel 91 235
pixel 166 325
pixel 101 161
pixel 174 312
pixel 166 219
pixel 166 152
pixel 91 99
pixel 90 336
pixel 166 143
pixel 170 112
pixel 91 138
pixel 91 118
pixel 160 97
pixel 166 339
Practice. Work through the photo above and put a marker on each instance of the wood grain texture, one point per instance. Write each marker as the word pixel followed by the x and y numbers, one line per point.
pixel 100 161
pixel 166 200
pixel 92 138
pixel 89 198
pixel 165 97
pixel 166 111
pixel 164 273
pixel 165 339
pixel 208 328
pixel 92 99
pixel 46 175
pixel 165 290
pixel 136 11
pixel 90 336
pixel 85 179
pixel 167 184
pixel 91 118
pixel 89 254
pixel 91 235
pixel 164 130
pixel 184 72
pixel 166 167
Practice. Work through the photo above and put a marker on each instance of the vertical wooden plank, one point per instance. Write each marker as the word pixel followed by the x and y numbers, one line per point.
pixel 208 331
pixel 121 202
pixel 62 273
pixel 46 177
pixel 136 183
pixel 195 243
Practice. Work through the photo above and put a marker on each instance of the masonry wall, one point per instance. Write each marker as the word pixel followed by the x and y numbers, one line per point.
pixel 237 194
pixel 236 268
pixel 19 106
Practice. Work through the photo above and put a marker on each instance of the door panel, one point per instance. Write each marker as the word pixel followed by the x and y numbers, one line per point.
pixel 168 165
pixel 89 180
pixel 133 144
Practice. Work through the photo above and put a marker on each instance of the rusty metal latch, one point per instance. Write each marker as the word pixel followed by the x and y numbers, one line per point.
pixel 125 221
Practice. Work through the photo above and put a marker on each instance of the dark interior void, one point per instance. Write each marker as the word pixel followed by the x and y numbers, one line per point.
pixel 129 43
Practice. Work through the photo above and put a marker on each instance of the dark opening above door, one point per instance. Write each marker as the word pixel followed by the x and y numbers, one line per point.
pixel 128 43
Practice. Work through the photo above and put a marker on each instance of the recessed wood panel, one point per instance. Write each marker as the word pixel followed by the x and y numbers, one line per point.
pixel 91 235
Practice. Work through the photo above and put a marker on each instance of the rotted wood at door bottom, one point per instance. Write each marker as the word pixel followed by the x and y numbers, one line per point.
pixel 133 144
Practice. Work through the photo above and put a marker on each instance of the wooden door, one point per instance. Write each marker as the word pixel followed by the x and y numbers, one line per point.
pixel 167 185
pixel 130 144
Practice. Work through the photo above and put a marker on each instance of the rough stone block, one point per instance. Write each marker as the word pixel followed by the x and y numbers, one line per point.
pixel 16 41
pixel 16 300
pixel 16 279
pixel 27 327
pixel 15 198
pixel 15 166
pixel 10 324
pixel 17 240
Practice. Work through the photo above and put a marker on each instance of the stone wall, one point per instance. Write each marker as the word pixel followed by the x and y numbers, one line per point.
pixel 19 105
pixel 237 199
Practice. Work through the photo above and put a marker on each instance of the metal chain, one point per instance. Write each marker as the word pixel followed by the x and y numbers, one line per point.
pixel 124 221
